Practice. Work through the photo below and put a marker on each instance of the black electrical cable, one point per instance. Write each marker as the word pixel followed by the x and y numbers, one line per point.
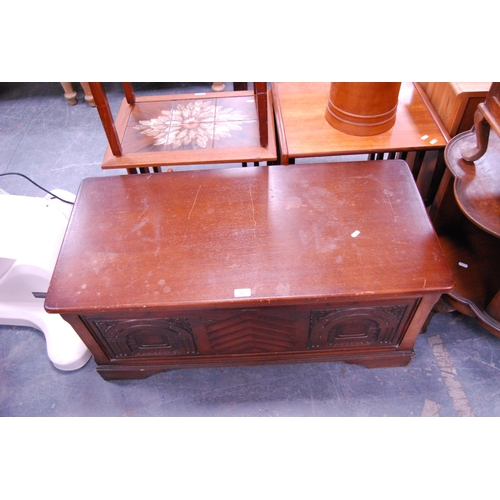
pixel 38 186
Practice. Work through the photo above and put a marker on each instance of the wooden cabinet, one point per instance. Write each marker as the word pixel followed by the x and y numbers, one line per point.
pixel 278 264
pixel 456 102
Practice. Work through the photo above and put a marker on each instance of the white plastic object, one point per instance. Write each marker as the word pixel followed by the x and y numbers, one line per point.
pixel 31 233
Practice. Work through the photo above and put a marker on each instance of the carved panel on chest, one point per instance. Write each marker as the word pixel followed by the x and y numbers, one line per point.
pixel 252 330
pixel 155 337
pixel 359 326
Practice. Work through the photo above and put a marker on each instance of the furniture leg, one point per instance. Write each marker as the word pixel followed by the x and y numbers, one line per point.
pixel 417 164
pixel 106 117
pixel 260 90
pixel 88 93
pixel 69 93
pixel 218 87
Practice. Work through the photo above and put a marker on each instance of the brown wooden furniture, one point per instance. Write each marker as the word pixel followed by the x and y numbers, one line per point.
pixel 418 136
pixel 249 266
pixel 456 102
pixel 468 218
pixel 486 117
pixel 157 131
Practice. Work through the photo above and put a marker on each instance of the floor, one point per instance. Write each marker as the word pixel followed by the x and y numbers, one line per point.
pixel 455 372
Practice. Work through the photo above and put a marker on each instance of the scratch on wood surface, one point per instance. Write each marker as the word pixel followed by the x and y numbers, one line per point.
pixel 132 282
pixel 139 225
pixel 194 202
pixel 390 203
pixel 253 207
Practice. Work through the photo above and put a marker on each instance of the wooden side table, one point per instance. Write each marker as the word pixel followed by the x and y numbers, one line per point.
pixel 468 223
pixel 455 103
pixel 278 264
pixel 155 131
pixel 303 131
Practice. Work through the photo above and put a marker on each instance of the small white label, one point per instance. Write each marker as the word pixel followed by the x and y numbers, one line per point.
pixel 463 264
pixel 424 137
pixel 242 292
pixel 250 100
pixel 356 233
pixel 434 141
pixel 200 93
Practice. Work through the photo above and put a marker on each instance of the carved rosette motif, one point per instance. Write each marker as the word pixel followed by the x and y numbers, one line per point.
pixel 147 337
pixel 359 326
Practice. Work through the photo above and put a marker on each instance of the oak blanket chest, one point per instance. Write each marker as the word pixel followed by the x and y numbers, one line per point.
pixel 278 264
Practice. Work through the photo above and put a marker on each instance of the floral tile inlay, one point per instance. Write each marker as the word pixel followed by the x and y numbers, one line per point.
pixel 193 125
